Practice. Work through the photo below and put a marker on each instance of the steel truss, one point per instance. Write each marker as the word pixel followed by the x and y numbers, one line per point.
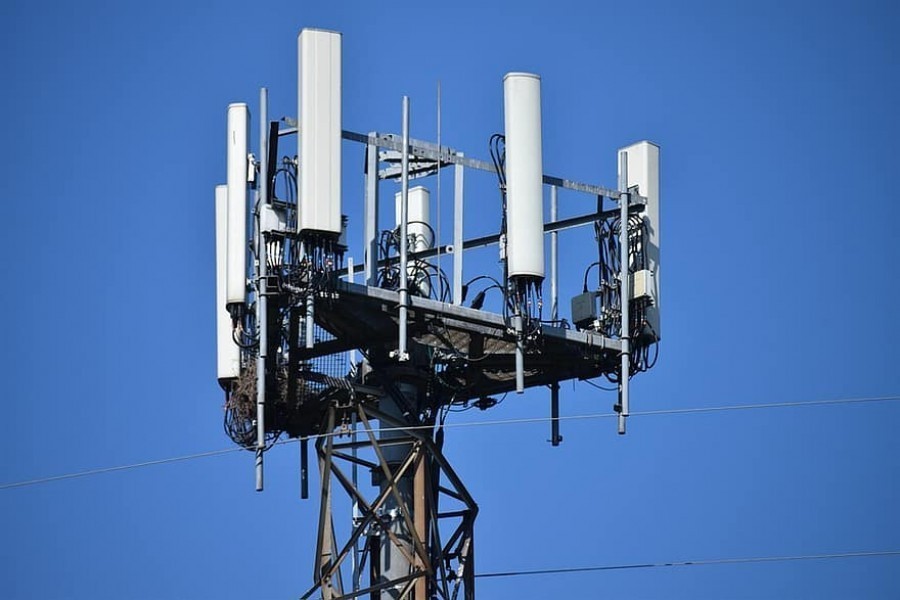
pixel 405 517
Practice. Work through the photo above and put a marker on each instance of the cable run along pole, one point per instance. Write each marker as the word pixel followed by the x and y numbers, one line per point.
pixel 261 259
pixel 624 291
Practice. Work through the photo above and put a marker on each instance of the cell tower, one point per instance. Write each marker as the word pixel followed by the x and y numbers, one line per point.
pixel 370 370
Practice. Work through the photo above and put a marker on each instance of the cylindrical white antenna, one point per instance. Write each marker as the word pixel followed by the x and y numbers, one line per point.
pixel 418 232
pixel 524 175
pixel 229 355
pixel 419 217
pixel 319 114
pixel 236 250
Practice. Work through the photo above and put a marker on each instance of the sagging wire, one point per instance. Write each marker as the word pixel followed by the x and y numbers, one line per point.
pixel 525 299
pixel 241 328
pixel 497 148
pixel 478 300
pixel 424 279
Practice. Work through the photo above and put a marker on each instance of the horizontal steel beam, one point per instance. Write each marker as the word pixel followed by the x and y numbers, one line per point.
pixel 487 240
pixel 449 156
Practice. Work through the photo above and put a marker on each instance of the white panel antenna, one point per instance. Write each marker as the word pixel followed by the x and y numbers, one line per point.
pixel 228 353
pixel 524 175
pixel 319 113
pixel 236 252
pixel 643 173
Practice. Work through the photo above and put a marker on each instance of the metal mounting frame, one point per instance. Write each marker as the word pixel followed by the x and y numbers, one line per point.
pixel 436 544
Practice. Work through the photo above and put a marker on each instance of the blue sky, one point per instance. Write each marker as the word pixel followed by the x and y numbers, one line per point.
pixel 778 128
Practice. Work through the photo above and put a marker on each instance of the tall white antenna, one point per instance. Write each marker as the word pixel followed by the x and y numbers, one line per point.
pixel 524 171
pixel 236 157
pixel 319 111
pixel 228 353
pixel 643 174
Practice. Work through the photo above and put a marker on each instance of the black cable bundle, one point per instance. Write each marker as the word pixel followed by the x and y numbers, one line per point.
pixel 419 271
pixel 644 349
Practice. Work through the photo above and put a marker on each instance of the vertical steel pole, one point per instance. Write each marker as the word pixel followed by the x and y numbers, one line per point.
pixel 310 320
pixel 354 515
pixel 457 231
pixel 554 256
pixel 304 468
pixel 520 353
pixel 555 438
pixel 402 353
pixel 439 238
pixel 371 213
pixel 625 290
pixel 351 278
pixel 262 187
pixel 354 512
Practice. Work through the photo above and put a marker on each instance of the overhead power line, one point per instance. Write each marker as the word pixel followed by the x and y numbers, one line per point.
pixel 646 413
pixel 101 470
pixel 692 563
pixel 681 411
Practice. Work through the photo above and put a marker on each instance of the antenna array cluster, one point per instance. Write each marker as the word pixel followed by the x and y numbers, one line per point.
pixel 304 350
